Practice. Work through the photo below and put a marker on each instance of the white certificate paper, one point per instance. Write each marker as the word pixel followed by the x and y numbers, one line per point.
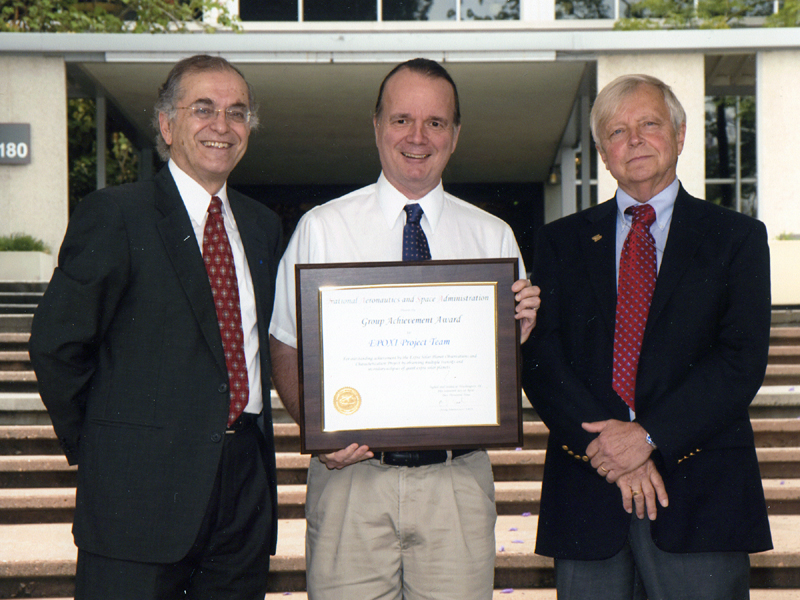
pixel 397 356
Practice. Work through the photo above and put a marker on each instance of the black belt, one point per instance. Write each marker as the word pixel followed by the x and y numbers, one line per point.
pixel 245 421
pixel 418 458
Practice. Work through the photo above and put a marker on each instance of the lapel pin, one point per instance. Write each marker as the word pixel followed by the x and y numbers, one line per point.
pixel 597 238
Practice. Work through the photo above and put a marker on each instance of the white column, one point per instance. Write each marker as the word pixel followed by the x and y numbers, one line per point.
pixel 537 10
pixel 34 197
pixel 777 151
pixel 777 141
pixel 685 74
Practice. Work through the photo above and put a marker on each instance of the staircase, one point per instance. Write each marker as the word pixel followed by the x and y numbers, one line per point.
pixel 37 494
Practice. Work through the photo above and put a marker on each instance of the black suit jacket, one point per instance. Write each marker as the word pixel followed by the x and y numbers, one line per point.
pixel 129 359
pixel 703 359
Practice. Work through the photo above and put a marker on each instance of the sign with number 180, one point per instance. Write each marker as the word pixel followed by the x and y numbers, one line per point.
pixel 15 143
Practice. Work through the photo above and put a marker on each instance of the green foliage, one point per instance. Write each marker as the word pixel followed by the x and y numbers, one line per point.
pixel 82 149
pixel 115 16
pixel 21 242
pixel 122 158
pixel 124 168
pixel 787 16
pixel 583 9
pixel 681 14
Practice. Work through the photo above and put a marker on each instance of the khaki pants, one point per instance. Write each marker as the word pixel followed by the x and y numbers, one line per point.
pixel 392 533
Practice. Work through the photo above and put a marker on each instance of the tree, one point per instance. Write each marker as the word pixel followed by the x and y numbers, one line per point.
pixel 682 14
pixel 787 16
pixel 113 16
pixel 583 9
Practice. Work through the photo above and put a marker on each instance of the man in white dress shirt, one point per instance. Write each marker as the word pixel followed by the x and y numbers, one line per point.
pixel 398 525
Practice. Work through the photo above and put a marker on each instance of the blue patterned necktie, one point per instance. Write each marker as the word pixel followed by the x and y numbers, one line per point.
pixel 637 281
pixel 415 244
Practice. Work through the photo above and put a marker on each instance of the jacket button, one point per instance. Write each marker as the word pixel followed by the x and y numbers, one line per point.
pixel 215 437
pixel 223 387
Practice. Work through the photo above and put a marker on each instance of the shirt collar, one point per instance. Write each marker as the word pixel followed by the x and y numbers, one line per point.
pixel 663 203
pixel 195 198
pixel 391 202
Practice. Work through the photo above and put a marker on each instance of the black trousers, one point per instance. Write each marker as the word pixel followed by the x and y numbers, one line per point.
pixel 230 558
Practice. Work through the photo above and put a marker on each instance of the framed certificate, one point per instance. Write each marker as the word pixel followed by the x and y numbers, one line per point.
pixel 408 356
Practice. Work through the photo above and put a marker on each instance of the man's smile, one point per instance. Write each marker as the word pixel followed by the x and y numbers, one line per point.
pixel 411 155
pixel 217 144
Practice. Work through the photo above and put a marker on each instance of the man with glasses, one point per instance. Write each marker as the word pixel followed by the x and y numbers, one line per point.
pixel 150 347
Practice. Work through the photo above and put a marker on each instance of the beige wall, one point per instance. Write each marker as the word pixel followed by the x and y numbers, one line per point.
pixel 33 197
pixel 685 74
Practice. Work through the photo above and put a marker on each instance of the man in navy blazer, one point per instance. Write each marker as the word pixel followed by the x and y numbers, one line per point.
pixel 662 500
pixel 173 500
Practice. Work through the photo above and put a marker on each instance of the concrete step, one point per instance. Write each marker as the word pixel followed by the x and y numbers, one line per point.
pixel 33 471
pixel 40 558
pixel 41 439
pixel 24 407
pixel 17 309
pixel 14 341
pixel 18 381
pixel 784 355
pixel 782 374
pixel 19 297
pixel 16 440
pixel 16 360
pixel 34 287
pixel 784 335
pixel 16 323
pixel 57 504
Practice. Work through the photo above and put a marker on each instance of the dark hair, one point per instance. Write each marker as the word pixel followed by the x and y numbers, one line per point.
pixel 428 68
pixel 170 91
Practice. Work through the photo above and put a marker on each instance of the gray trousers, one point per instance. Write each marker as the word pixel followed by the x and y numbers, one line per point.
pixel 640 571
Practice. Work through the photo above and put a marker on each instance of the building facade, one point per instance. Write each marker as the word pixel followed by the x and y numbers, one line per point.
pixel 527 73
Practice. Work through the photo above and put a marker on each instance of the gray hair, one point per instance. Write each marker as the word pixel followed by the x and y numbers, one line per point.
pixel 170 91
pixel 609 98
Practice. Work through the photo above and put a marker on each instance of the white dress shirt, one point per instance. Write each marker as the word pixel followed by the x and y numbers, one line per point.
pixel 196 200
pixel 367 225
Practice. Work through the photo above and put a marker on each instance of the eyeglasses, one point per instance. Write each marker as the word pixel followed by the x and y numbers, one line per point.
pixel 234 114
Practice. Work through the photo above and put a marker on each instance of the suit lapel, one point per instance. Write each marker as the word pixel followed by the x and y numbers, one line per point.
pixel 686 232
pixel 598 244
pixel 256 242
pixel 181 245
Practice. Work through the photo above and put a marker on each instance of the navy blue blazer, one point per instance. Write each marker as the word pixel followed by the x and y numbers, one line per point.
pixel 703 359
pixel 129 359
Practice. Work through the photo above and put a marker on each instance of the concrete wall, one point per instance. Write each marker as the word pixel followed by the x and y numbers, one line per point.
pixel 685 74
pixel 34 197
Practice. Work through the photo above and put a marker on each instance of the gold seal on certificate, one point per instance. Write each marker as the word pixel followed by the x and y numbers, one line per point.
pixel 347 401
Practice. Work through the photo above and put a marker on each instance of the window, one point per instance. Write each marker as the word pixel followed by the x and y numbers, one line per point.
pixel 731 152
pixel 377 10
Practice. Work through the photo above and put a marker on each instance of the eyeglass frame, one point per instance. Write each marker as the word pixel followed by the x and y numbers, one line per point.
pixel 212 113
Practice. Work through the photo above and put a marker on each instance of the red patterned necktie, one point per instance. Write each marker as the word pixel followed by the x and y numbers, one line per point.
pixel 637 280
pixel 222 276
pixel 415 244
